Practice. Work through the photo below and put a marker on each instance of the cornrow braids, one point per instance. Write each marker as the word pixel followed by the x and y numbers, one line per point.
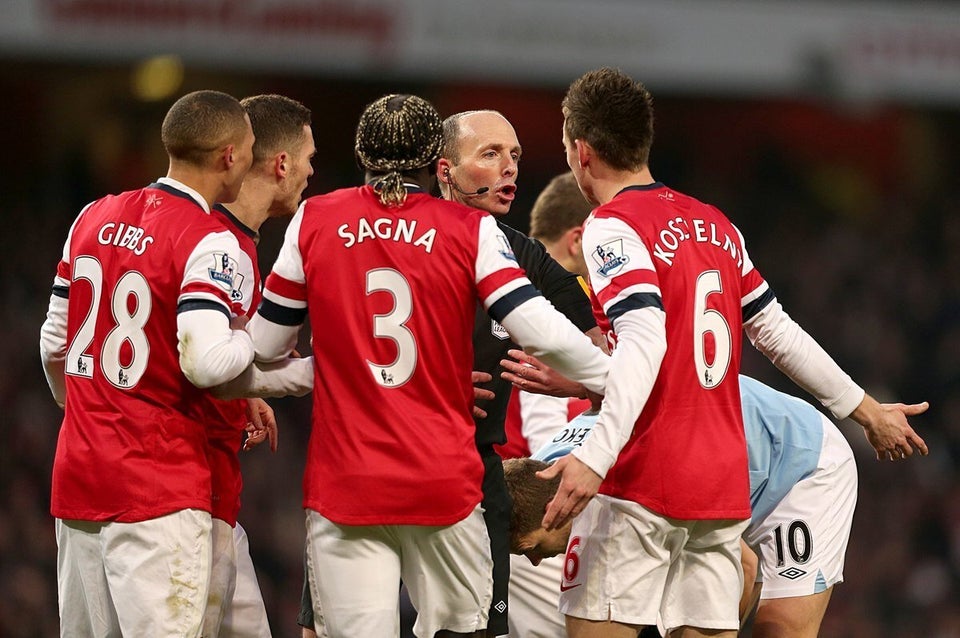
pixel 397 133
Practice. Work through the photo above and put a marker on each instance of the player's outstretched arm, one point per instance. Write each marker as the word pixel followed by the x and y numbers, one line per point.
pixel 292 376
pixel 887 429
pixel 529 373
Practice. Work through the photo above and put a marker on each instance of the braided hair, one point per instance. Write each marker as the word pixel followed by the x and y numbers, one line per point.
pixel 396 134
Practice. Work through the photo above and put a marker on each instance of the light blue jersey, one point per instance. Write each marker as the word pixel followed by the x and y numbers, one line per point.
pixel 784 438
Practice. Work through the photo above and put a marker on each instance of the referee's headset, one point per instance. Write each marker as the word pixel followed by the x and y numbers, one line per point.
pixel 449 180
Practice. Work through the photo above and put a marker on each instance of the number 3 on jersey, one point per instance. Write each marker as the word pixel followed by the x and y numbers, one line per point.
pixel 391 326
pixel 127 328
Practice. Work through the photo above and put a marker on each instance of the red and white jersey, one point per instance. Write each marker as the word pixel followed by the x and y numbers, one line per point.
pixel 652 247
pixel 225 420
pixel 391 293
pixel 128 450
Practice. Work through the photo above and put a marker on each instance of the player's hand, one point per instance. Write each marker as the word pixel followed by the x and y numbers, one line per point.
pixel 530 374
pixel 578 484
pixel 262 425
pixel 480 394
pixel 239 323
pixel 887 429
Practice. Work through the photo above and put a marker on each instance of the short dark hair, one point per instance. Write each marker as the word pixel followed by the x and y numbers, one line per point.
pixel 612 113
pixel 530 494
pixel 559 207
pixel 202 122
pixel 397 134
pixel 277 123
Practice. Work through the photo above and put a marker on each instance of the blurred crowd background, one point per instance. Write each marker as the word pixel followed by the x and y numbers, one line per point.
pixel 850 207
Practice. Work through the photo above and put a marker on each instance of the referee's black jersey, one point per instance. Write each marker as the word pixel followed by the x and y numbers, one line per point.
pixel 491 341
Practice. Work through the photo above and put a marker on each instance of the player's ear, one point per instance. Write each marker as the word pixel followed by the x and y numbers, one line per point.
pixel 227 155
pixel 574 240
pixel 585 152
pixel 443 170
pixel 281 164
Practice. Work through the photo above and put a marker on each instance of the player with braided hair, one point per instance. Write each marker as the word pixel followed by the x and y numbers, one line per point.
pixel 392 276
pixel 382 149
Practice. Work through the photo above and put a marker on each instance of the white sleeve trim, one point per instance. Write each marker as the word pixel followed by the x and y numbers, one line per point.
pixel 210 352
pixel 801 358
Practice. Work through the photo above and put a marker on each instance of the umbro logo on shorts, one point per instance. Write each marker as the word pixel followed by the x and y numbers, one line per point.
pixel 792 573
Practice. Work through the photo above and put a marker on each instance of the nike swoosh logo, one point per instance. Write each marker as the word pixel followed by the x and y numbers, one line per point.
pixel 568 587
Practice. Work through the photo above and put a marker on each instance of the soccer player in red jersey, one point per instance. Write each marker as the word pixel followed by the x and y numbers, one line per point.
pixel 282 153
pixel 676 284
pixel 144 274
pixel 391 276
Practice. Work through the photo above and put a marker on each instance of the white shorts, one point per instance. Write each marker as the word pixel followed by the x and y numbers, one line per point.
pixel 627 564
pixel 134 579
pixel 534 594
pixel 355 573
pixel 802 543
pixel 235 606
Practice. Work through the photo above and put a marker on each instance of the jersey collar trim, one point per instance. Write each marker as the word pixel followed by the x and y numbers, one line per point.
pixel 644 187
pixel 243 228
pixel 175 187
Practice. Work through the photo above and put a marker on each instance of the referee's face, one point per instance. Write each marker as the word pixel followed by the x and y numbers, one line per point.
pixel 489 159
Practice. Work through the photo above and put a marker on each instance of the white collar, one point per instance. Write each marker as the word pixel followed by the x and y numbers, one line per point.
pixel 180 186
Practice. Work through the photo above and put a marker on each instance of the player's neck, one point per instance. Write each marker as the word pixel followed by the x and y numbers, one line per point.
pixel 253 204
pixel 209 185
pixel 608 183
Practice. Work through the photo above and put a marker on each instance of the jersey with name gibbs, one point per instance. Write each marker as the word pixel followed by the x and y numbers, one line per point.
pixel 128 450
pixel 391 293
pixel 652 246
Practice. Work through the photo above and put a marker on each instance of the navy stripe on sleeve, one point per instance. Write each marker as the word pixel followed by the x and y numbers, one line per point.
pixel 506 304
pixel 61 291
pixel 636 301
pixel 202 304
pixel 753 308
pixel 281 315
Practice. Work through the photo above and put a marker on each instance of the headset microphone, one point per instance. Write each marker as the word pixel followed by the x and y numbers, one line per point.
pixel 479 191
pixel 456 187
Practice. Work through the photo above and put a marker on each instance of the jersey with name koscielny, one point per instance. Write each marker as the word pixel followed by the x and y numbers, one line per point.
pixel 225 420
pixel 391 293
pixel 651 246
pixel 128 450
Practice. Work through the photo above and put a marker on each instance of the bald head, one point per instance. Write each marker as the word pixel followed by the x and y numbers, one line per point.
pixel 463 128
